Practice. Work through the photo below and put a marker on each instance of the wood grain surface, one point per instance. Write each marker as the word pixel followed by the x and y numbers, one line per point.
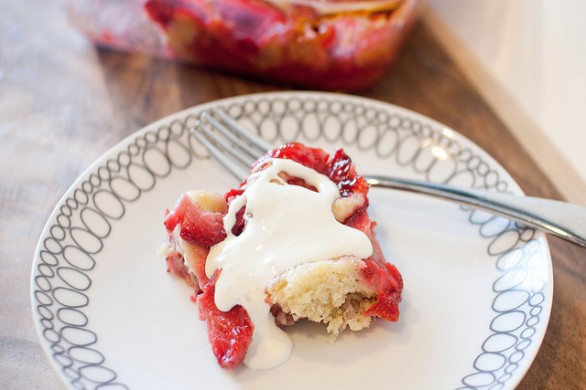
pixel 63 103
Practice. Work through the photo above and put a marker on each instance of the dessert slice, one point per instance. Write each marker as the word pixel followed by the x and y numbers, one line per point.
pixel 293 242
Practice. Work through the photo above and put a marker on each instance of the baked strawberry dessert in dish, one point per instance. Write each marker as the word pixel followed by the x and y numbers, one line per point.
pixel 323 44
pixel 293 242
pixel 329 44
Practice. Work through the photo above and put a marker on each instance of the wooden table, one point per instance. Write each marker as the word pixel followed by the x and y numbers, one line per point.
pixel 63 103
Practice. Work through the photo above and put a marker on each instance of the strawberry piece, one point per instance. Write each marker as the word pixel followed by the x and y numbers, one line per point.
pixel 342 172
pixel 389 284
pixel 385 307
pixel 313 158
pixel 240 223
pixel 234 193
pixel 230 332
pixel 203 228
pixel 199 227
pixel 361 221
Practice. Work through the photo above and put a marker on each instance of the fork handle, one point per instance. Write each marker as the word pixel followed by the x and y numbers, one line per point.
pixel 561 219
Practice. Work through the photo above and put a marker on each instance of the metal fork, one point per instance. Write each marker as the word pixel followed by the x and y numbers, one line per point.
pixel 237 149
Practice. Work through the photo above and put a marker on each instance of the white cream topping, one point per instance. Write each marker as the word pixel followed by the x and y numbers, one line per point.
pixel 286 225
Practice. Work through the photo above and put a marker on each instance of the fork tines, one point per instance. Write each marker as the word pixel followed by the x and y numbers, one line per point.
pixel 229 142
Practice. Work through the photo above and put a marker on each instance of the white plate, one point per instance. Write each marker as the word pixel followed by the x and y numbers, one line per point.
pixel 478 289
